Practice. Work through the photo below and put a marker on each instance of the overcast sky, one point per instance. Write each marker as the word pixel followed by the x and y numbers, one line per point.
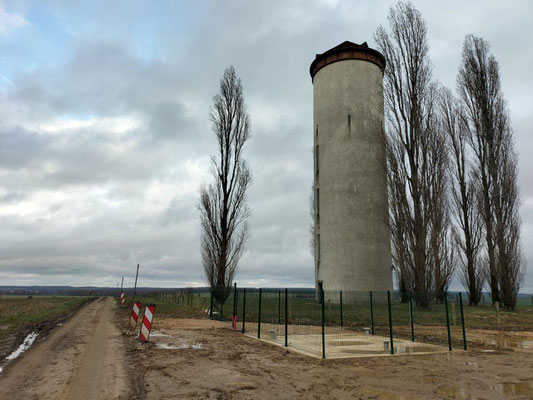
pixel 105 139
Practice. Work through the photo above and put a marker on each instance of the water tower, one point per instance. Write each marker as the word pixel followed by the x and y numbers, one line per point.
pixel 352 235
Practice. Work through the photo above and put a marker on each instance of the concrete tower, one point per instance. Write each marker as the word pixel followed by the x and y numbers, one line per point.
pixel 352 235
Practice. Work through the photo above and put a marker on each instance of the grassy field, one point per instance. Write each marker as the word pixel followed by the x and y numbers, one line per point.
pixel 308 311
pixel 16 311
pixel 20 315
pixel 169 306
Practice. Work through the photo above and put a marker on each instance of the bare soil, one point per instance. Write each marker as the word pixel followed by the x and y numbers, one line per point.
pixel 39 315
pixel 201 359
pixel 88 358
pixel 82 359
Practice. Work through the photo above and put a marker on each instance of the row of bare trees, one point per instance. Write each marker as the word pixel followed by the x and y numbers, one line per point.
pixel 452 169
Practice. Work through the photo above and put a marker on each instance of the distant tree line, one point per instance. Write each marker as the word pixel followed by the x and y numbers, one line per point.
pixel 452 169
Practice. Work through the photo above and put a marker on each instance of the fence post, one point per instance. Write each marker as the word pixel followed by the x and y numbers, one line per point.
pixel 448 321
pixel 286 317
pixel 259 316
pixel 243 309
pixel 279 307
pixel 390 323
pixel 342 319
pixel 323 305
pixel 211 306
pixel 411 316
pixel 462 319
pixel 371 313
pixel 234 299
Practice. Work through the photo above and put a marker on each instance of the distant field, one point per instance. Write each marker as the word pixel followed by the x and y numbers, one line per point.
pixel 168 308
pixel 19 315
pixel 477 317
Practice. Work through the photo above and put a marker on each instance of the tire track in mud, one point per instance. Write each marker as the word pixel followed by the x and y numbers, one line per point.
pixel 82 359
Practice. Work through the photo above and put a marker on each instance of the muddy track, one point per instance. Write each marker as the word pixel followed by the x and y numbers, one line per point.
pixel 82 359
pixel 10 342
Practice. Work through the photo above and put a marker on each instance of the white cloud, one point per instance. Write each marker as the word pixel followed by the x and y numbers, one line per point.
pixel 115 126
pixel 10 21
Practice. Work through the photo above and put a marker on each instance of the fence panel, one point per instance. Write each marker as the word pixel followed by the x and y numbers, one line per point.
pixel 355 323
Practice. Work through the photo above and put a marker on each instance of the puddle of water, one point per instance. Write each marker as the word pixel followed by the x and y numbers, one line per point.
pixel 515 389
pixel 456 393
pixel 510 342
pixel 158 334
pixel 505 389
pixel 168 346
pixel 23 347
pixel 434 357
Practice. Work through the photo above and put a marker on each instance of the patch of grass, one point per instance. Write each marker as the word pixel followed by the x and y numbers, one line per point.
pixel 484 317
pixel 171 306
pixel 305 310
pixel 17 312
pixel 21 315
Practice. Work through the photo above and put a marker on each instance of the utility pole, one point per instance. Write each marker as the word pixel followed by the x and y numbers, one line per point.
pixel 135 287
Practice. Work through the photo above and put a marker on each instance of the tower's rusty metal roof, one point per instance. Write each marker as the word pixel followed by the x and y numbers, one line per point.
pixel 347 51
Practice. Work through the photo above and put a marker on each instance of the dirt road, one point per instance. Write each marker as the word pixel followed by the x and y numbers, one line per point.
pixel 82 359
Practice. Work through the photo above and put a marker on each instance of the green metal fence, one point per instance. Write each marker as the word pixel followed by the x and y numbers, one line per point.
pixel 344 324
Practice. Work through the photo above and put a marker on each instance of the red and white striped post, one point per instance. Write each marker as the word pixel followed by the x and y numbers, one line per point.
pixel 146 325
pixel 122 298
pixel 135 314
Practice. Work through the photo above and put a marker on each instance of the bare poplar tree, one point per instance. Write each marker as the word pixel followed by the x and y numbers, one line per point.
pixel 223 207
pixel 398 198
pixel 441 250
pixel 468 229
pixel 511 268
pixel 487 124
pixel 416 168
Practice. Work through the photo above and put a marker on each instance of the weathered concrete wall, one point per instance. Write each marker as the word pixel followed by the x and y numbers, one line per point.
pixel 351 221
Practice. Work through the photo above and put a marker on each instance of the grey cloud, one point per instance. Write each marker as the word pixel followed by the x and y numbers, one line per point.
pixel 102 222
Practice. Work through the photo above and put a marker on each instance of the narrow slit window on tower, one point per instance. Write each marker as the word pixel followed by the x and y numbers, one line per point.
pixel 316 161
pixel 318 247
pixel 318 204
pixel 349 124
pixel 316 131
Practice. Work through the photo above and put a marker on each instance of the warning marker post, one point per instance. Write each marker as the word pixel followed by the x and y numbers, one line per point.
pixel 135 314
pixel 146 325
pixel 122 298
